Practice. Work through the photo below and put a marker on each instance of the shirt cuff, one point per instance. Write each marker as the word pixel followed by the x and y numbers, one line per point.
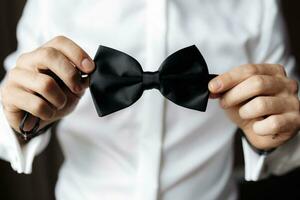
pixel 20 157
pixel 254 162
pixel 285 158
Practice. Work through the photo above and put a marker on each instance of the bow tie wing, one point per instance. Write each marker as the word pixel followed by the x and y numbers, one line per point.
pixel 116 82
pixel 184 79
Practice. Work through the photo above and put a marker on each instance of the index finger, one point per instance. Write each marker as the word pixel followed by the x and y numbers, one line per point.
pixel 235 76
pixel 73 52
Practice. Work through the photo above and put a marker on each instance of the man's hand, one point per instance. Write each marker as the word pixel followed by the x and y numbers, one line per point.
pixel 46 82
pixel 262 101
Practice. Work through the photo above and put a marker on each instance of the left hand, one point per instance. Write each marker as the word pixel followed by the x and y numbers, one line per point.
pixel 262 101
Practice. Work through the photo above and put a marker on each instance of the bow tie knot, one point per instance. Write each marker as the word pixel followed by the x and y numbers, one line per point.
pixel 151 80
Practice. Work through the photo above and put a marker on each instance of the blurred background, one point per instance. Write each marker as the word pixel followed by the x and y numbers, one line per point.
pixel 40 184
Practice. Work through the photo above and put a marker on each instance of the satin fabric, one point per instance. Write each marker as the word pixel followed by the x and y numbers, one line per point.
pixel 119 81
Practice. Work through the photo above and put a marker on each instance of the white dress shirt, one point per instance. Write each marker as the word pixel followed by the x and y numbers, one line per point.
pixel 153 149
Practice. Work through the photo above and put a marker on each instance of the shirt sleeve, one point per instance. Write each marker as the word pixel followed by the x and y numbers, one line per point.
pixel 20 157
pixel 272 47
pixel 254 163
pixel 29 38
pixel 278 162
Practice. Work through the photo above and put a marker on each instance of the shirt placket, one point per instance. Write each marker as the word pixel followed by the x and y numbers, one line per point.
pixel 150 138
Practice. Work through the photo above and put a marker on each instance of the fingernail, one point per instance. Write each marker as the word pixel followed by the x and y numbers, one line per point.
pixel 215 85
pixel 88 64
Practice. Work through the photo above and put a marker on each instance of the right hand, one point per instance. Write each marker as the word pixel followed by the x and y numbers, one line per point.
pixel 29 87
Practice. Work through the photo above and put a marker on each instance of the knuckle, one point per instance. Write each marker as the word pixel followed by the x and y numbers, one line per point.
pixel 20 59
pixel 11 74
pixel 59 39
pixel 42 110
pixel 5 87
pixel 243 112
pixel 46 84
pixel 48 52
pixel 260 103
pixel 228 77
pixel 251 69
pixel 275 124
pixel 259 82
pixel 39 106
pixel 8 83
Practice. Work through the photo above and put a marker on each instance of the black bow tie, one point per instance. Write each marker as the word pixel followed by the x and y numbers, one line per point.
pixel 119 81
